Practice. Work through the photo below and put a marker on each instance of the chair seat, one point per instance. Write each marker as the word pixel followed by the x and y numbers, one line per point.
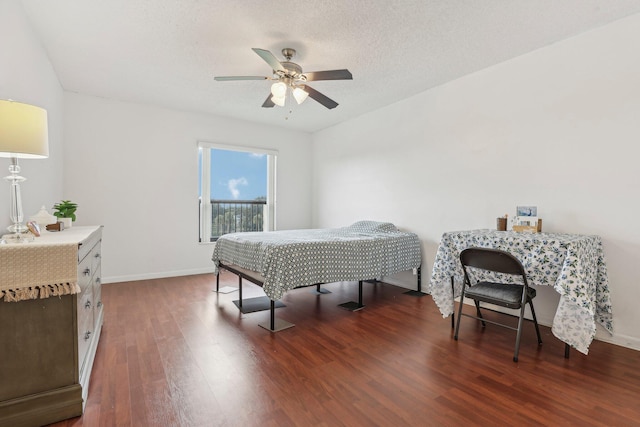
pixel 505 295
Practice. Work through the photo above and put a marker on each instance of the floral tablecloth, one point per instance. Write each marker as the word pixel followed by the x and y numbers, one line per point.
pixel 573 264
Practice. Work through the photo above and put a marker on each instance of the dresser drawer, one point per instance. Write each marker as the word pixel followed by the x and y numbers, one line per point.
pixel 85 335
pixel 96 284
pixel 88 245
pixel 84 273
pixel 85 307
pixel 96 256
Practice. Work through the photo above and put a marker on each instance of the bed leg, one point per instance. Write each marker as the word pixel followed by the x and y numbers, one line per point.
pixel 272 316
pixel 352 305
pixel 240 292
pixel 320 291
pixel 418 292
pixel 224 289
pixel 274 324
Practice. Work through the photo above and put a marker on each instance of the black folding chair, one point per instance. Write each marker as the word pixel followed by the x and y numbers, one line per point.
pixel 509 295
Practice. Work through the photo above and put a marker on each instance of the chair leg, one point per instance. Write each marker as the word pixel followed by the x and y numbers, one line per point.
pixel 455 335
pixel 535 322
pixel 519 334
pixel 453 298
pixel 478 313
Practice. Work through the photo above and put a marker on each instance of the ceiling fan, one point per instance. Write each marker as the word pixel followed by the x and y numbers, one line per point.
pixel 288 77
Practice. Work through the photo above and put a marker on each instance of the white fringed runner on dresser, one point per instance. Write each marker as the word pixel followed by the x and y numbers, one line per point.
pixel 33 270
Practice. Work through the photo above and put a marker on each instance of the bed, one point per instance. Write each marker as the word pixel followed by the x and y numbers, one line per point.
pixel 283 260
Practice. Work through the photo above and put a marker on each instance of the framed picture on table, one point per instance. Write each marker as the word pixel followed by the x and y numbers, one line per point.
pixel 526 211
pixel 530 221
pixel 527 220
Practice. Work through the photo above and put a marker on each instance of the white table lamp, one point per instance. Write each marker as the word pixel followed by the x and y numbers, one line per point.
pixel 23 135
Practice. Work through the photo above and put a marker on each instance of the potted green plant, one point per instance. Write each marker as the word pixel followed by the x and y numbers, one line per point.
pixel 65 211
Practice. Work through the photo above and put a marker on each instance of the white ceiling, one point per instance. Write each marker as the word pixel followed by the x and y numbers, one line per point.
pixel 166 52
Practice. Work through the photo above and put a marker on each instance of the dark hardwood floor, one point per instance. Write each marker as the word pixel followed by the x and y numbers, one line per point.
pixel 175 353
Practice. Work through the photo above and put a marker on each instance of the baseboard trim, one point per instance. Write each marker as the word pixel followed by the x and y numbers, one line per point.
pixel 401 284
pixel 621 340
pixel 160 275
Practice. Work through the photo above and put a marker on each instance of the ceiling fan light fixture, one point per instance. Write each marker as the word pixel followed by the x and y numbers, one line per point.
pixel 278 100
pixel 279 90
pixel 288 77
pixel 300 95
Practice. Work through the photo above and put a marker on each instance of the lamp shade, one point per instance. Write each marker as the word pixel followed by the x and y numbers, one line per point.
pixel 300 95
pixel 278 100
pixel 279 89
pixel 23 131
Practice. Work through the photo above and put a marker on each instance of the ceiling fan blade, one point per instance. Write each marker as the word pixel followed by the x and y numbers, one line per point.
pixel 269 59
pixel 329 75
pixel 322 99
pixel 231 78
pixel 268 103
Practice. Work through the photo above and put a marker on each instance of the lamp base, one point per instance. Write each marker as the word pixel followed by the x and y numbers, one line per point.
pixel 17 228
pixel 16 238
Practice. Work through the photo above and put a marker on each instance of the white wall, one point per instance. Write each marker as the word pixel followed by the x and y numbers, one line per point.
pixel 558 128
pixel 133 168
pixel 26 75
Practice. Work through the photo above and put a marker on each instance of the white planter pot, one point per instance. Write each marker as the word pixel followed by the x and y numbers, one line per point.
pixel 67 222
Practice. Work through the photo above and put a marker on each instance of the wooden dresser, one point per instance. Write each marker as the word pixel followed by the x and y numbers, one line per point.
pixel 47 345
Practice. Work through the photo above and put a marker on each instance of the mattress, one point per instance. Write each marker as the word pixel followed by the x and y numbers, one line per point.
pixel 294 258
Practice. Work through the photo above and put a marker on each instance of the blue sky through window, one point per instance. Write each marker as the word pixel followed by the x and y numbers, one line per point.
pixel 238 175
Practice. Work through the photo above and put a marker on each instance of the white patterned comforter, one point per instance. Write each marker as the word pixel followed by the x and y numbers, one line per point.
pixel 295 258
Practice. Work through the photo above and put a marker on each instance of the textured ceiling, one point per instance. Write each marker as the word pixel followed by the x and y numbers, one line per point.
pixel 166 52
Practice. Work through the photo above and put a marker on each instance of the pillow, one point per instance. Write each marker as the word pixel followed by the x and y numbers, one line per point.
pixel 373 227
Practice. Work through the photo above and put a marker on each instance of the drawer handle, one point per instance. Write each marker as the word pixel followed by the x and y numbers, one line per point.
pixel 99 303
pixel 86 272
pixel 97 255
pixel 98 280
pixel 87 304
pixel 87 335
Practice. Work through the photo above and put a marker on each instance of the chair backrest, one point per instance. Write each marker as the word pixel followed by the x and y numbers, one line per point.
pixel 492 260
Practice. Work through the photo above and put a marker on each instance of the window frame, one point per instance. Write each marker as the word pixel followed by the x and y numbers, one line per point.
pixel 204 178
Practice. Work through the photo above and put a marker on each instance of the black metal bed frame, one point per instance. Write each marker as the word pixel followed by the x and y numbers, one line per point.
pixel 276 325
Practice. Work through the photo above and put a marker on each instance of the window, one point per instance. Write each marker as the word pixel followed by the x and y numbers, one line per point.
pixel 236 190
